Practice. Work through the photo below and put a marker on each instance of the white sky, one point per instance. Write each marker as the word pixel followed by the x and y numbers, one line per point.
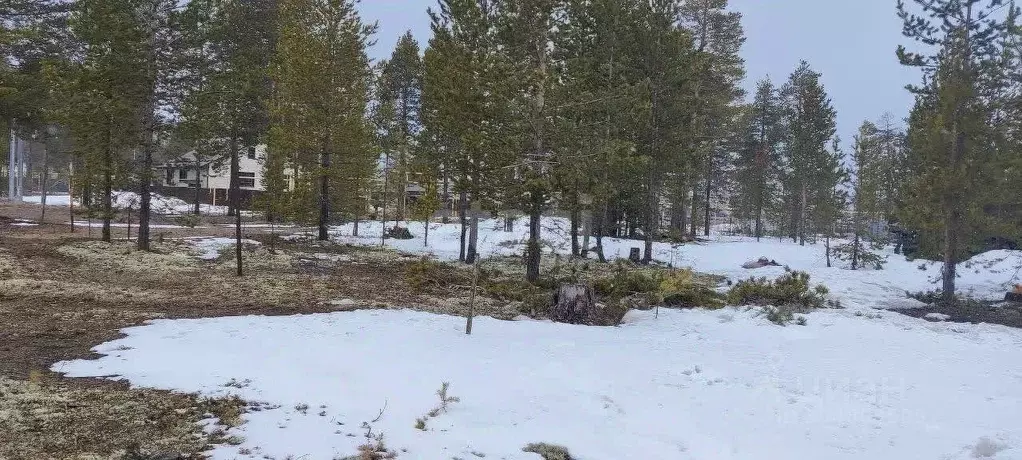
pixel 851 42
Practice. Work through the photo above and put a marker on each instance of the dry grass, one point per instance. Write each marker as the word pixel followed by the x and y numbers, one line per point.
pixel 123 257
pixel 50 420
pixel 61 295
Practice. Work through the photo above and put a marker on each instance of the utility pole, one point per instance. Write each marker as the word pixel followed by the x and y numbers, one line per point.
pixel 10 165
pixel 15 168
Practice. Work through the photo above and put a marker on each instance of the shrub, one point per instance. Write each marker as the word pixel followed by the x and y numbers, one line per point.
pixel 927 297
pixel 675 288
pixel 428 276
pixel 188 220
pixel 790 290
pixel 936 298
pixel 866 257
pixel 398 233
pixel 625 282
pixel 548 451
pixel 783 315
pixel 694 296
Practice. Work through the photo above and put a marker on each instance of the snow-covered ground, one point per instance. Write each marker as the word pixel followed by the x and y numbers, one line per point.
pixel 703 385
pixel 130 200
pixel 209 248
pixel 51 200
pixel 987 275
pixel 99 224
pixel 695 385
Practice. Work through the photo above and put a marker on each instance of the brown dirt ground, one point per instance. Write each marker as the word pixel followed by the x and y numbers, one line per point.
pixel 1007 314
pixel 63 293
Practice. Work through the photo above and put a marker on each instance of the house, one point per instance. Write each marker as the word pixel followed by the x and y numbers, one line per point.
pixel 184 171
pixel 177 177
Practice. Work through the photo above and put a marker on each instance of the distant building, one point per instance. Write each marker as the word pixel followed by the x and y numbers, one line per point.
pixel 184 171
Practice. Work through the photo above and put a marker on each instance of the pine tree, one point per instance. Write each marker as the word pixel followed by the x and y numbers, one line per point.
pixel 467 98
pixel 599 99
pixel 758 157
pixel 108 93
pixel 868 196
pixel 664 63
pixel 810 120
pixel 225 109
pixel 400 91
pixel 526 29
pixel 949 140
pixel 158 30
pixel 321 77
pixel 719 70
pixel 829 194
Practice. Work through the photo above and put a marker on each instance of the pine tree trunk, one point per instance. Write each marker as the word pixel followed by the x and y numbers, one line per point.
pixel 71 193
pixel 473 240
pixel 683 213
pixel 761 172
pixel 198 185
pixel 402 183
pixel 463 216
pixel 145 190
pixel 950 271
pixel 855 249
pixel 532 264
pixel 827 246
pixel 601 222
pixel 46 176
pixel 587 231
pixel 677 216
pixel 574 231
pixel 324 192
pixel 693 222
pixel 649 227
pixel 802 217
pixel 446 216
pixel 236 200
pixel 386 190
pixel 108 185
pixel 537 197
pixel 706 204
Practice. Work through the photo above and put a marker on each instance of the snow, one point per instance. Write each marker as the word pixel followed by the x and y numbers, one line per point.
pixel 988 275
pixel 51 200
pixel 937 316
pixel 133 225
pixel 209 248
pixel 692 384
pixel 130 200
pixel 687 385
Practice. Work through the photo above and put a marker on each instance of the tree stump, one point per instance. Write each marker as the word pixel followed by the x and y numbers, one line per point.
pixel 1015 295
pixel 576 304
pixel 635 255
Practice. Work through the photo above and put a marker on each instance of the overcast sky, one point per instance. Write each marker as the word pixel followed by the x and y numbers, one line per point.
pixel 851 42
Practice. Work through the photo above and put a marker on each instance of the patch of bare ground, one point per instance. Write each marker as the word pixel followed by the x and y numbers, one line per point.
pixel 1006 313
pixel 47 419
pixel 62 294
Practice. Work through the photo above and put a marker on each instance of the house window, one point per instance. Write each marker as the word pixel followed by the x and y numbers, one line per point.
pixel 182 174
pixel 251 153
pixel 170 176
pixel 246 179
